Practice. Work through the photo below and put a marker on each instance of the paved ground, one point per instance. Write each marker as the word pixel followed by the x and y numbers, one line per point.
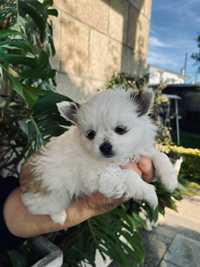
pixel 176 242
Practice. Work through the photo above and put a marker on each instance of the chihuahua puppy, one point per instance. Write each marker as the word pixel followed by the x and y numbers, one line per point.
pixel 110 129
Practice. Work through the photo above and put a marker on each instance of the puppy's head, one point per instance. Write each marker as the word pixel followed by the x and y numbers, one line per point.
pixel 111 123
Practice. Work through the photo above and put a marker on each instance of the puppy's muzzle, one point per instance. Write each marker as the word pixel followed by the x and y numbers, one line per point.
pixel 106 150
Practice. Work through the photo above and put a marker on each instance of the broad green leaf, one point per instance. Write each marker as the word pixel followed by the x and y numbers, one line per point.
pixel 8 33
pixel 17 86
pixel 32 94
pixel 16 59
pixel 37 12
pixel 42 69
pixel 29 94
pixel 30 97
pixel 19 44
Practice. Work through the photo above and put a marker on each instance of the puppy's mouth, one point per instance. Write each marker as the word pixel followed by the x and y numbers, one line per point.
pixel 108 156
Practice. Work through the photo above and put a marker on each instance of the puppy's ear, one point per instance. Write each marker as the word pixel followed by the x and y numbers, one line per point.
pixel 68 110
pixel 143 99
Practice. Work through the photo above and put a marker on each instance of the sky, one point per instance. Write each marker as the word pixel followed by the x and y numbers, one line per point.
pixel 174 26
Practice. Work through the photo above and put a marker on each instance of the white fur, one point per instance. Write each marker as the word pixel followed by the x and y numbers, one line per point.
pixel 72 165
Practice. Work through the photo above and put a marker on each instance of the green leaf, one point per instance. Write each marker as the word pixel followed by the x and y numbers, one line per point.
pixel 37 12
pixel 16 59
pixel 30 97
pixel 17 86
pixel 4 34
pixel 41 70
pixel 135 245
pixel 19 44
pixel 29 94
pixel 32 94
pixel 48 103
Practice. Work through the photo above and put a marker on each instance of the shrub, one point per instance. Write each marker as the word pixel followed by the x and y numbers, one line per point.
pixel 190 168
pixel 27 83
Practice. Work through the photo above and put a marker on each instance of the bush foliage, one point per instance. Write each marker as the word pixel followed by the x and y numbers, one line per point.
pixel 191 161
pixel 196 55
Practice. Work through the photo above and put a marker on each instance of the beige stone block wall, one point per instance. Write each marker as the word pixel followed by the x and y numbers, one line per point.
pixel 98 50
pixel 95 39
pixel 74 46
pixel 118 20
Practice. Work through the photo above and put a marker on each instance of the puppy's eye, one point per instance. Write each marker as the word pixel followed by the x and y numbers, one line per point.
pixel 121 130
pixel 91 134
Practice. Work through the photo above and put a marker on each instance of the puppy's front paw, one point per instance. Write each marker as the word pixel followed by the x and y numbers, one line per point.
pixel 111 185
pixel 150 195
pixel 165 171
pixel 112 189
pixel 170 182
pixel 59 217
pixel 169 179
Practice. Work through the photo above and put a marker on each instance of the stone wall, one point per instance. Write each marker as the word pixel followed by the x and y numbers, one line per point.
pixel 96 38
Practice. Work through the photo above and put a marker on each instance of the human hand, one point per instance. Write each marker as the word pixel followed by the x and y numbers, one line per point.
pixel 144 168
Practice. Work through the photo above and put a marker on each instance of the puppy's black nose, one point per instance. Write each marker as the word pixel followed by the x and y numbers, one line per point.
pixel 106 149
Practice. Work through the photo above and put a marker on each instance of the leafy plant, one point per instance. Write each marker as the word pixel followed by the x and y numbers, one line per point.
pixel 161 115
pixel 114 235
pixel 27 81
pixel 196 55
pixel 128 82
pixel 28 118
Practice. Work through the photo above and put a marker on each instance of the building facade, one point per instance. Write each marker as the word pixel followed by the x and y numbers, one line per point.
pixel 95 39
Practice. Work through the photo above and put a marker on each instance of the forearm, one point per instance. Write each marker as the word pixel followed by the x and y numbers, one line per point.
pixel 24 224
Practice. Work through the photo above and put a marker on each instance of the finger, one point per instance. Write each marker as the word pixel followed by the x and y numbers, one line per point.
pixel 146 167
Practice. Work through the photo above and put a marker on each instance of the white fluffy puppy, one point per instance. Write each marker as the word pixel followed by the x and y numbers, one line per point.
pixel 110 129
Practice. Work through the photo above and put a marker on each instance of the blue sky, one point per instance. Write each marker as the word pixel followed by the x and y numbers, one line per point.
pixel 174 26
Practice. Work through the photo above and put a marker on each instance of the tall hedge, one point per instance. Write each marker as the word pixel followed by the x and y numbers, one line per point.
pixel 190 168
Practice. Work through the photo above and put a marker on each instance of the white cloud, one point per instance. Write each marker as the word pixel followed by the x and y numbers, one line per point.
pixel 162 60
pixel 156 42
